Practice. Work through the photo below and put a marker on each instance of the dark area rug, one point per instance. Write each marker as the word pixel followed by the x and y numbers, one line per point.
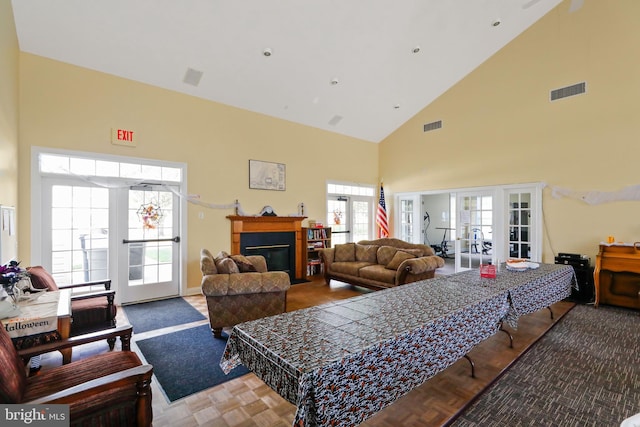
pixel 583 372
pixel 161 314
pixel 187 361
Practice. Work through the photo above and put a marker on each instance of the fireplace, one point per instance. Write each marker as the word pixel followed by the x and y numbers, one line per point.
pixel 277 238
pixel 278 249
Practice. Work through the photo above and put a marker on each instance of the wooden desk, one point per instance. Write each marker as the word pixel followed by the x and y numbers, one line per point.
pixel 617 275
pixel 48 306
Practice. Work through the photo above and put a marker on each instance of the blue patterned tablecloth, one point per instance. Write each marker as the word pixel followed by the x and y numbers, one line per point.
pixel 342 362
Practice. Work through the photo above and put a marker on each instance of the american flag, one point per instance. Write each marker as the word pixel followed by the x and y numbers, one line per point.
pixel 381 216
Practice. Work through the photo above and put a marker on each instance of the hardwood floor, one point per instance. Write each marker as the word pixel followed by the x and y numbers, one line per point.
pixel 247 401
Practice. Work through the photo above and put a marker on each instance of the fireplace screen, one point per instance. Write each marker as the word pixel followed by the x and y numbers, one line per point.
pixel 278 249
pixel 277 256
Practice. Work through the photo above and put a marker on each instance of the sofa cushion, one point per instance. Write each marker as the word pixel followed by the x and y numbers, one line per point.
pixel 345 252
pixel 378 273
pixel 398 259
pixel 207 264
pixel 226 266
pixel 366 253
pixel 243 263
pixel 350 268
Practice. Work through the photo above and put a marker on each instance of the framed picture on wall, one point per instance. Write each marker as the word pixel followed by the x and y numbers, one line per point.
pixel 267 175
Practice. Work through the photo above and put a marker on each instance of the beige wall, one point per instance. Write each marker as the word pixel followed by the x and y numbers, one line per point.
pixel 500 128
pixel 66 107
pixel 9 55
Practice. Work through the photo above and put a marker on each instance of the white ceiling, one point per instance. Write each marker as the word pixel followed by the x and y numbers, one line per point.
pixel 365 45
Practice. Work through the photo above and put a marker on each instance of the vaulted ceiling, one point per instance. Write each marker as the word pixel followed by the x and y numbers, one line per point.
pixel 360 68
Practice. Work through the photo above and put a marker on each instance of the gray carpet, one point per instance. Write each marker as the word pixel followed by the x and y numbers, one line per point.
pixel 583 372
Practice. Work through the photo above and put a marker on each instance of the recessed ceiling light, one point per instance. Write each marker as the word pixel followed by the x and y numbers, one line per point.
pixel 495 22
pixel 334 82
pixel 397 106
pixel 416 49
pixel 267 52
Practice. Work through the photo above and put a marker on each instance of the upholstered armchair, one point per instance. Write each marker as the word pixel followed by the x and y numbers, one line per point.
pixel 239 288
pixel 107 389
pixel 91 310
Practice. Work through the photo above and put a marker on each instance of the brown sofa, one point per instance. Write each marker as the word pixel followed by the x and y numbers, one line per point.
pixel 381 263
pixel 239 289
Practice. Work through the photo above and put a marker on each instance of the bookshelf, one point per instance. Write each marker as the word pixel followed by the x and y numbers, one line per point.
pixel 314 239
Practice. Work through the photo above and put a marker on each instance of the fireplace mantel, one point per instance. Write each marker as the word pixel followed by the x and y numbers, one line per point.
pixel 267 224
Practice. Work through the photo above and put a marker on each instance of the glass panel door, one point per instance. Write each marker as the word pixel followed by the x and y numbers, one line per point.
pixel 474 245
pixel 78 223
pixel 520 235
pixel 149 267
pixel 338 218
pixel 361 219
pixel 407 225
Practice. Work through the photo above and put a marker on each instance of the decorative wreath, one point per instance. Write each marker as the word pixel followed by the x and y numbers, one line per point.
pixel 150 215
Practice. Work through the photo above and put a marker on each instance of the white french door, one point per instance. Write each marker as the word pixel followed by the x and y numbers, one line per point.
pixel 89 224
pixel 89 237
pixel 349 218
pixel 408 219
pixel 76 224
pixel 149 243
pixel 474 245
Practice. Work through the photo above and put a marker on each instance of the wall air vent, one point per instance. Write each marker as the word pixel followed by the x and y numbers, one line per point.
pixel 433 126
pixel 565 92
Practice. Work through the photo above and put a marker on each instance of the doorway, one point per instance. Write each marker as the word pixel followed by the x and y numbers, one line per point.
pixel 477 225
pixel 94 219
pixel 350 212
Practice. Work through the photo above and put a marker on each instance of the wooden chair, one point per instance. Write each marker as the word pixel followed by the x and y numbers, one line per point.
pixel 91 311
pixel 112 388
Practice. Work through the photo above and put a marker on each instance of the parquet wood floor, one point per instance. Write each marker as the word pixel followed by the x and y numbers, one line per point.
pixel 248 402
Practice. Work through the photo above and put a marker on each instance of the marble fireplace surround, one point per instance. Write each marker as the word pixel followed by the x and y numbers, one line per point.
pixel 269 225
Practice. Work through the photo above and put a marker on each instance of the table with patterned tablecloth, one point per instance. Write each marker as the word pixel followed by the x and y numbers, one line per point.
pixel 342 362
pixel 528 290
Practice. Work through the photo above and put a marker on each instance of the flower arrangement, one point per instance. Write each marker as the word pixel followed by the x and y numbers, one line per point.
pixel 10 274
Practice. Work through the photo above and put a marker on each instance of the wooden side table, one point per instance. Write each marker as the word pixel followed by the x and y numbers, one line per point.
pixel 64 321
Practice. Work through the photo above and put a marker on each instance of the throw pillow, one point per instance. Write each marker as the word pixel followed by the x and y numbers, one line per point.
pixel 226 266
pixel 398 259
pixel 385 254
pixel 243 263
pixel 207 264
pixel 345 252
pixel 366 253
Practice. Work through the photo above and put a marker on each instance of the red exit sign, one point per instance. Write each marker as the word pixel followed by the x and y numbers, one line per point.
pixel 123 137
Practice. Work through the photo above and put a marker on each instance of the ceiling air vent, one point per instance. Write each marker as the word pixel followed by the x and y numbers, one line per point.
pixel 433 126
pixel 335 120
pixel 565 92
pixel 192 77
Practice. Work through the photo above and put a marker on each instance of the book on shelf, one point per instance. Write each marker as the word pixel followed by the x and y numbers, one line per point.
pixel 317 234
